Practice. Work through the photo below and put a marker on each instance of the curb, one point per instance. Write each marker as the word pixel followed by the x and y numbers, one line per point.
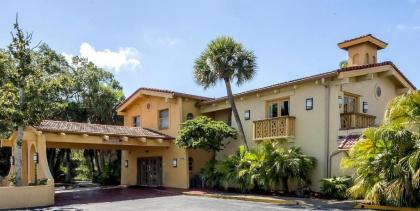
pixel 381 207
pixel 246 198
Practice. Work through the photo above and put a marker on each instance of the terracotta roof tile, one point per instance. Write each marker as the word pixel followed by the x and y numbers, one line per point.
pixel 359 37
pixel 98 129
pixel 314 77
pixel 181 94
pixel 349 141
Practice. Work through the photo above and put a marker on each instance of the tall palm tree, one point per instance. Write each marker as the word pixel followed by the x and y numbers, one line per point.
pixel 226 60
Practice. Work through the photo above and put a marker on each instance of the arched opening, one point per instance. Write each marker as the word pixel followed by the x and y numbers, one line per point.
pixel 355 59
pixel 367 59
pixel 32 165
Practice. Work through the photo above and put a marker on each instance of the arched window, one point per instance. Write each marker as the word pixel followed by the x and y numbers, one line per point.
pixel 190 116
pixel 367 58
pixel 190 163
pixel 356 58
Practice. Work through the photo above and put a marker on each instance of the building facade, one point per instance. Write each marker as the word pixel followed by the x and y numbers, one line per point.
pixel 320 113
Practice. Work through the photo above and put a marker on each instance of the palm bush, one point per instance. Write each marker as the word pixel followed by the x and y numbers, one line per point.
pixel 266 167
pixel 386 160
pixel 336 187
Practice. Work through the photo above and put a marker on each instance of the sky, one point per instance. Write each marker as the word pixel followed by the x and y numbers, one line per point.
pixel 154 43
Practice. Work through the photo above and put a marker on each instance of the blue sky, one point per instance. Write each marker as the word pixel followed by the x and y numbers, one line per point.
pixel 155 43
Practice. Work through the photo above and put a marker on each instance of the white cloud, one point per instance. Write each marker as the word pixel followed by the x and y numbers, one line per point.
pixel 124 58
pixel 403 27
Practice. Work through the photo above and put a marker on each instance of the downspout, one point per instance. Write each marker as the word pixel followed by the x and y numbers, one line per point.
pixel 327 132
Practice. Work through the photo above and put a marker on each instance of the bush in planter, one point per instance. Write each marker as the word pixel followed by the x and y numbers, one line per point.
pixel 336 187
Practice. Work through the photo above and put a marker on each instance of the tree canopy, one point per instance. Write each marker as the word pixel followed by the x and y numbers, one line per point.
pixel 226 60
pixel 204 133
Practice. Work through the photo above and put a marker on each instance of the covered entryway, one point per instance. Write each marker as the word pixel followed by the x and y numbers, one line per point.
pixel 149 171
pixel 146 155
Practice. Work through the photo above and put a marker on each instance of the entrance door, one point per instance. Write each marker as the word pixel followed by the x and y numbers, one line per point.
pixel 149 171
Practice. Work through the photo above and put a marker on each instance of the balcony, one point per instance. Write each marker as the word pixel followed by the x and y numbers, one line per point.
pixel 274 128
pixel 356 120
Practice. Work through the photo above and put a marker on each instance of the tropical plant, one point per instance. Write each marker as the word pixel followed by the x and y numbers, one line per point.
pixel 266 167
pixel 226 60
pixel 343 64
pixel 204 133
pixel 386 160
pixel 210 175
pixel 336 187
pixel 31 88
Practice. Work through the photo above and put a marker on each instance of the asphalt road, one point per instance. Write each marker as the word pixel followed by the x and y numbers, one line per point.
pixel 185 203
pixel 115 199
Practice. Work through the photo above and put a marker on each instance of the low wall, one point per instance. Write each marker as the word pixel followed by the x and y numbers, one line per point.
pixel 26 196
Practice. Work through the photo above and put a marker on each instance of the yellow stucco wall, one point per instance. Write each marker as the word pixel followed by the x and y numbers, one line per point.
pixel 26 196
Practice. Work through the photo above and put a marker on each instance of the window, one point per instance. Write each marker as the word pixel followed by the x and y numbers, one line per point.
pixel 229 120
pixel 284 108
pixel 164 119
pixel 190 116
pixel 273 108
pixel 350 103
pixel 278 108
pixel 190 163
pixel 309 103
pixel 378 91
pixel 136 121
pixel 247 114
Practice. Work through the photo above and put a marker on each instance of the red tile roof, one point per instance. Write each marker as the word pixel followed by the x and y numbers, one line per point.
pixel 180 94
pixel 349 141
pixel 314 77
pixel 360 37
pixel 98 129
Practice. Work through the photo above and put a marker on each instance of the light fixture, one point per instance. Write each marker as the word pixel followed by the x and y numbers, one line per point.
pixel 174 162
pixel 126 163
pixel 365 107
pixel 12 160
pixel 247 114
pixel 309 103
pixel 35 157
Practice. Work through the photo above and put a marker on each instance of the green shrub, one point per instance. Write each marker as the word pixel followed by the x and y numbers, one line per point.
pixel 266 167
pixel 109 176
pixel 336 187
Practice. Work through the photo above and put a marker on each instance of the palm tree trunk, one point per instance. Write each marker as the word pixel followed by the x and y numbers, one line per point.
pixel 18 156
pixel 235 112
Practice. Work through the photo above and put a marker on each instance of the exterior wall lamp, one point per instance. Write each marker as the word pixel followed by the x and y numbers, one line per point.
pixel 174 162
pixel 12 160
pixel 309 103
pixel 365 107
pixel 126 163
pixel 35 157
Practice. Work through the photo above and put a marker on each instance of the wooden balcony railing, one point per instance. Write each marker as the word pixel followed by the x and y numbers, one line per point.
pixel 356 120
pixel 273 128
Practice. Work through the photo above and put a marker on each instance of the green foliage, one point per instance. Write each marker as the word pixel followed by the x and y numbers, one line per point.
pixel 32 86
pixel 226 60
pixel 387 159
pixel 210 175
pixel 336 187
pixel 343 64
pixel 223 59
pixel 266 167
pixel 204 133
pixel 109 176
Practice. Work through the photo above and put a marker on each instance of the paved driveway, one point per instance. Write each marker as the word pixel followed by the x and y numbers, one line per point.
pixel 161 200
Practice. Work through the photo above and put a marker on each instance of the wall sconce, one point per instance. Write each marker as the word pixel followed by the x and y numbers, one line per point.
pixel 365 107
pixel 247 114
pixel 309 103
pixel 12 160
pixel 126 163
pixel 35 157
pixel 174 162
